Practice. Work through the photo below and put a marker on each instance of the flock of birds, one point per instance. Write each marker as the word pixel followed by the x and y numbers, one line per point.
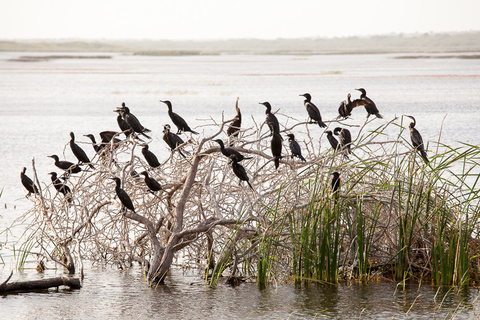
pixel 131 126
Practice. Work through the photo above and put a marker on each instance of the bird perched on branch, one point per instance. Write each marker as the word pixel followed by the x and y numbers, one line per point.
pixel 177 120
pixel 417 140
pixel 276 146
pixel 172 139
pixel 313 112
pixel 336 183
pixel 227 152
pixel 61 187
pixel 345 138
pixel 122 124
pixel 239 170
pixel 234 127
pixel 271 119
pixel 78 152
pixel 28 183
pixel 68 166
pixel 150 157
pixel 295 147
pixel 132 121
pixel 98 147
pixel 123 196
pixel 333 141
pixel 367 103
pixel 151 183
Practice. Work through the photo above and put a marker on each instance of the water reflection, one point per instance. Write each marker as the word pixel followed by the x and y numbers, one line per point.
pixel 124 295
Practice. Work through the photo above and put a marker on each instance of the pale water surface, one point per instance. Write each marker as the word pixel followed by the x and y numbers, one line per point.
pixel 41 102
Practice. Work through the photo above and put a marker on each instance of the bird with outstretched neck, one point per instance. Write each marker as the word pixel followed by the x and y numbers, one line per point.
pixel 123 196
pixel 28 183
pixel 295 147
pixel 368 104
pixel 234 127
pixel 68 166
pixel 312 110
pixel 227 152
pixel 417 140
pixel 78 152
pixel 239 170
pixel 177 120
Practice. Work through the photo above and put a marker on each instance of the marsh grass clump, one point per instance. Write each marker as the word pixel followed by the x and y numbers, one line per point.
pixel 394 216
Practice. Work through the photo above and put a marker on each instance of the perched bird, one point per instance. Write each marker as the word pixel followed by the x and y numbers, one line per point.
pixel 276 146
pixel 28 183
pixel 151 183
pixel 336 183
pixel 368 104
pixel 150 157
pixel 227 152
pixel 178 121
pixel 333 141
pixel 417 140
pixel 132 121
pixel 295 147
pixel 313 112
pixel 234 127
pixel 61 187
pixel 239 170
pixel 66 165
pixel 97 147
pixel 122 124
pixel 78 152
pixel 345 138
pixel 123 196
pixel 345 108
pixel 271 119
pixel 172 139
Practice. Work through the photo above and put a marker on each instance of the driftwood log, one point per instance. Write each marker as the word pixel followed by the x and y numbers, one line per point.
pixel 73 283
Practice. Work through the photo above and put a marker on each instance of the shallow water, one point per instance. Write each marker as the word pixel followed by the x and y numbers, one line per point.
pixel 43 101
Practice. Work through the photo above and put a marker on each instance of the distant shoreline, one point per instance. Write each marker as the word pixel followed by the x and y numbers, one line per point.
pixel 418 43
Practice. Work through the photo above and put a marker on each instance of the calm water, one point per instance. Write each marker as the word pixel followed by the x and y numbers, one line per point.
pixel 41 102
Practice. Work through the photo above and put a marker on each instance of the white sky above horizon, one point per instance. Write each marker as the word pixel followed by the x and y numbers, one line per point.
pixel 224 19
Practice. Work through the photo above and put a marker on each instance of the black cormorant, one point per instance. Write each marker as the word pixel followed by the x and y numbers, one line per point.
pixel 227 152
pixel 107 137
pixel 123 196
pixel 151 183
pixel 333 141
pixel 178 121
pixel 97 147
pixel 336 184
pixel 61 187
pixel 28 183
pixel 234 127
pixel 313 112
pixel 271 119
pixel 417 140
pixel 239 170
pixel 345 138
pixel 295 147
pixel 132 121
pixel 78 152
pixel 368 104
pixel 172 139
pixel 150 157
pixel 276 146
pixel 66 165
pixel 122 124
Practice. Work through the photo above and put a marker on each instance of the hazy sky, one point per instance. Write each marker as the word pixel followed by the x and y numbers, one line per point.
pixel 222 19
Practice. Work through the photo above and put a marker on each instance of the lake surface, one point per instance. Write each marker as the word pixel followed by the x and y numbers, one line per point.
pixel 41 102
